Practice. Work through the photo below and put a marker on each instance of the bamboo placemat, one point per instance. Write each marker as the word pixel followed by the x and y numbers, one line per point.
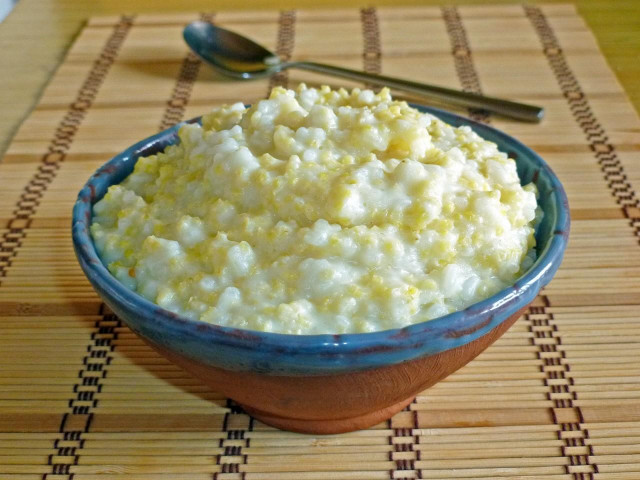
pixel 558 397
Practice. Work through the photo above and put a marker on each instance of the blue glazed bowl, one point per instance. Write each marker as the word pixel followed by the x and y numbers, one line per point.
pixel 327 383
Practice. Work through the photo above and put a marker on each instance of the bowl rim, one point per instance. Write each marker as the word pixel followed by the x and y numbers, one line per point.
pixel 329 350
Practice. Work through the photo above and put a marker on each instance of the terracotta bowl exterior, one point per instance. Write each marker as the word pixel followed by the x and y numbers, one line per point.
pixel 327 383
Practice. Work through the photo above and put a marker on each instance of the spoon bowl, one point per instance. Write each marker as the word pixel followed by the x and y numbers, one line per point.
pixel 230 53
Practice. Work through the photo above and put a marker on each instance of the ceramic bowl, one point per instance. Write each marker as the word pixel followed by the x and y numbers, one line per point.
pixel 327 383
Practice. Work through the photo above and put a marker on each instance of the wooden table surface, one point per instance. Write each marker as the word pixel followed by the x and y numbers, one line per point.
pixel 36 35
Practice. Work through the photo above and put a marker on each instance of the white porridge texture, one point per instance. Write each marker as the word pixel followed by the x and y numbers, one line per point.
pixel 319 211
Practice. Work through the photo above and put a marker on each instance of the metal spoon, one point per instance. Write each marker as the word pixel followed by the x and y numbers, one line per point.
pixel 239 57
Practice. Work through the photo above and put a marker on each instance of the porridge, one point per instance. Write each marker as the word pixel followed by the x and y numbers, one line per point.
pixel 319 211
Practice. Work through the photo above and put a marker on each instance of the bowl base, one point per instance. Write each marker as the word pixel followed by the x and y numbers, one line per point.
pixel 328 426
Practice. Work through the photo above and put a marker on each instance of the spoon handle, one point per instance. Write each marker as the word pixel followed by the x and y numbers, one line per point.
pixel 521 111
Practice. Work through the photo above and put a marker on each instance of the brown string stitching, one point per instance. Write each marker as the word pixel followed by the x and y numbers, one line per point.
pixel 234 441
pixel 177 103
pixel 463 59
pixel 372 54
pixel 99 350
pixel 93 371
pixel 558 379
pixel 622 191
pixel 599 143
pixel 284 46
pixel 58 148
